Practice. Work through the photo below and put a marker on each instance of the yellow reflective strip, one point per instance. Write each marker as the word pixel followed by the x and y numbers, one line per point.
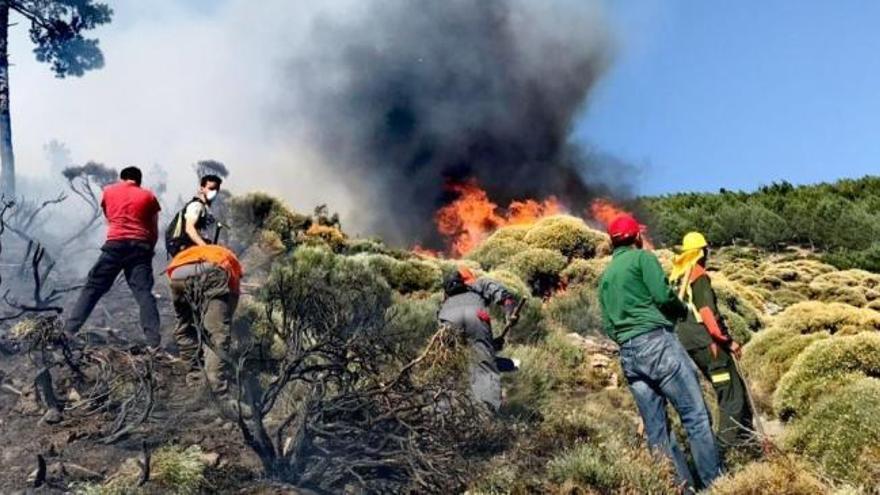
pixel 721 377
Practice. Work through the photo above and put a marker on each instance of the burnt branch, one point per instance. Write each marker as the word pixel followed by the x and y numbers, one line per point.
pixel 339 408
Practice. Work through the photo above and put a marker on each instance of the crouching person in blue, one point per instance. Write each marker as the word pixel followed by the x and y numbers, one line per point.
pixel 638 308
pixel 466 307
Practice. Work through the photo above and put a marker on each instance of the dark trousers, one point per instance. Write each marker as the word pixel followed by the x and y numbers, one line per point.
pixel 736 416
pixel 216 334
pixel 135 260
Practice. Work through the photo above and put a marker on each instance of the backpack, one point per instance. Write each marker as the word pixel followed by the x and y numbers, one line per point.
pixel 176 239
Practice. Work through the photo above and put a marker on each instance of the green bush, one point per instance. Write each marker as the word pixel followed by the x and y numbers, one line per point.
pixel 770 354
pixel 253 213
pixel 546 369
pixel 787 297
pixel 512 232
pixel 576 310
pixel 610 466
pixel 584 272
pixel 404 276
pixel 496 251
pixel 866 259
pixel 741 316
pixel 854 287
pixel 413 320
pixel 779 475
pixel 329 285
pixel 834 318
pixel 841 432
pixel 565 234
pixel 539 268
pixel 824 367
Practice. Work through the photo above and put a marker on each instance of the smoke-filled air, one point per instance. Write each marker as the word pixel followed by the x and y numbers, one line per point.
pixel 398 246
pixel 402 98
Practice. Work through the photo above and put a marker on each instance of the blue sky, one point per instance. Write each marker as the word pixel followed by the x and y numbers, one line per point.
pixel 704 95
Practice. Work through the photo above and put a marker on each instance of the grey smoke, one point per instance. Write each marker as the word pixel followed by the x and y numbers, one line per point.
pixel 400 95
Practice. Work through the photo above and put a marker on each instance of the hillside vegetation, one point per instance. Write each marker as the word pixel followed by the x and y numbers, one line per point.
pixel 568 423
pixel 841 219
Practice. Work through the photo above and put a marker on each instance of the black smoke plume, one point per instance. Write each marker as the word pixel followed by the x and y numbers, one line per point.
pixel 402 95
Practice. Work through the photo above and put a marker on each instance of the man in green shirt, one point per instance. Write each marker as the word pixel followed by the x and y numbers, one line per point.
pixel 638 308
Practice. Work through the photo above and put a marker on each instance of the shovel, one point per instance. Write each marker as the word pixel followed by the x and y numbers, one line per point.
pixel 507 365
pixel 766 446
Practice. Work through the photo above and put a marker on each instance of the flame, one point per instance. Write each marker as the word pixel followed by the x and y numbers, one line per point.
pixel 472 216
pixel 424 252
pixel 605 211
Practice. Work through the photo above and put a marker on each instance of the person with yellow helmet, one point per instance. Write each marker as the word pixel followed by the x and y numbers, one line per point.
pixel 705 337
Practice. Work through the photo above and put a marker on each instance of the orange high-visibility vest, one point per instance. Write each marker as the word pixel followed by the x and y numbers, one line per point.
pixel 211 253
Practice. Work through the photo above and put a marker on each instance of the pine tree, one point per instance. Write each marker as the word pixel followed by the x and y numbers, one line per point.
pixel 56 30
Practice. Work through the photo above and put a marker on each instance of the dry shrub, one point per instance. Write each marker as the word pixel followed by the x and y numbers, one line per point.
pixel 576 310
pixel 331 236
pixel 608 412
pixel 404 276
pixel 779 475
pixel 412 320
pixel 552 367
pixel 825 367
pixel 612 466
pixel 496 250
pixel 787 297
pixel 585 272
pixel 769 355
pixel 772 351
pixel 841 432
pixel 539 268
pixel 512 232
pixel 736 306
pixel 565 234
pixel 173 470
pixel 795 273
pixel 253 213
pixel 834 318
pixel 666 256
pixel 745 276
pixel 855 287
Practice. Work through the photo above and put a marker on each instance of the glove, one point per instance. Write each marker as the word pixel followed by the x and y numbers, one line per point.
pixel 509 309
pixel 498 343
pixel 734 349
pixel 713 349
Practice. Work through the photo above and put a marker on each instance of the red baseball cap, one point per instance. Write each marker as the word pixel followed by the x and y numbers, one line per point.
pixel 624 227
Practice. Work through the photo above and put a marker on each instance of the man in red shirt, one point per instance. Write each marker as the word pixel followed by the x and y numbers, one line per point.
pixel 132 230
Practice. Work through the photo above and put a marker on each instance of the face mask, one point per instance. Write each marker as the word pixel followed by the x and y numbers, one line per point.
pixel 210 195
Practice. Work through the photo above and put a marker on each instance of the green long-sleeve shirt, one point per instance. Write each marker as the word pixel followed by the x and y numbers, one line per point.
pixel 635 296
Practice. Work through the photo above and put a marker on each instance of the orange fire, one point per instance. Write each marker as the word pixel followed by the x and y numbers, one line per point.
pixel 425 252
pixel 472 216
pixel 604 211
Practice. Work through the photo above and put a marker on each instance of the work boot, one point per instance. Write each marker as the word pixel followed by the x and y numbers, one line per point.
pixel 154 340
pixel 52 416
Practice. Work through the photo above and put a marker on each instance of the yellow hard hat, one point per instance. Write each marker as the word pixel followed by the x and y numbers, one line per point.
pixel 693 240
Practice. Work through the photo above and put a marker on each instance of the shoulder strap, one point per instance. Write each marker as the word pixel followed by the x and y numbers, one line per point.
pixel 686 294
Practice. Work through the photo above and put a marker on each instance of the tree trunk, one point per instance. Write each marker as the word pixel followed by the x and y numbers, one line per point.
pixel 7 159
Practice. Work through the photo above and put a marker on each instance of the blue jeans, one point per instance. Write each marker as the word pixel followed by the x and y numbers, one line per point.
pixel 658 370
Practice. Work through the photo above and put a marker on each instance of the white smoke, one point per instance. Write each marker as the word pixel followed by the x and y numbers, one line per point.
pixel 187 80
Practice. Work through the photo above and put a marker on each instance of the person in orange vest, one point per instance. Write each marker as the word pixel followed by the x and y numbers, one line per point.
pixel 705 337
pixel 205 283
